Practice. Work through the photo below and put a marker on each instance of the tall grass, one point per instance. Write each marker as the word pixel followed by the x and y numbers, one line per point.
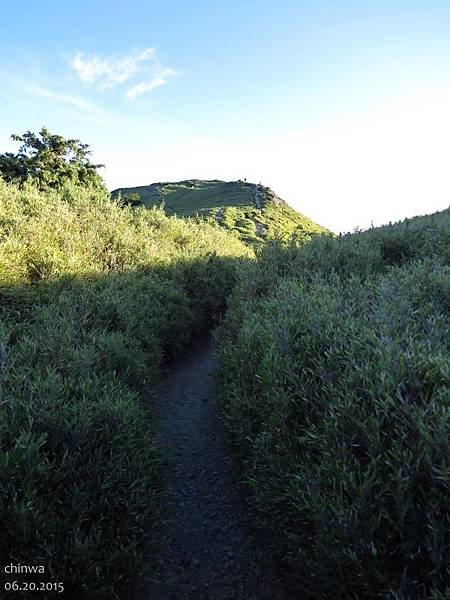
pixel 95 297
pixel 335 383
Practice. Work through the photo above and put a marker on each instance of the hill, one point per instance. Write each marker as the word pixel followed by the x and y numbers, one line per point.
pixel 251 211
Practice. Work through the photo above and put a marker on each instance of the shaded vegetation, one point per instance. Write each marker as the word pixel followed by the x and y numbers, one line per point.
pixel 335 383
pixel 251 212
pixel 94 298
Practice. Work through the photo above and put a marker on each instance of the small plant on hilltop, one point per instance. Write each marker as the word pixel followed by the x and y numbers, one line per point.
pixel 132 199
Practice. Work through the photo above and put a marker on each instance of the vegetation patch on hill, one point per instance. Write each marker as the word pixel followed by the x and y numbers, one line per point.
pixel 251 212
pixel 335 383
pixel 94 298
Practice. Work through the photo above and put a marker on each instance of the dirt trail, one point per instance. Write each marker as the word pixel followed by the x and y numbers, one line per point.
pixel 257 196
pixel 211 551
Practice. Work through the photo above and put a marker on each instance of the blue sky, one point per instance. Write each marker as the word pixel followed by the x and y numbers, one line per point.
pixel 341 107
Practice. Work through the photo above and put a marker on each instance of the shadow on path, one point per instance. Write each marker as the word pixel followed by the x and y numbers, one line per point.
pixel 211 552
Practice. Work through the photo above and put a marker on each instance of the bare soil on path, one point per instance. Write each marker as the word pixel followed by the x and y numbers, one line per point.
pixel 211 551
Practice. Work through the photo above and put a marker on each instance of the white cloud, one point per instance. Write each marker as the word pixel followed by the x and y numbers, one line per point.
pixel 157 80
pixel 109 71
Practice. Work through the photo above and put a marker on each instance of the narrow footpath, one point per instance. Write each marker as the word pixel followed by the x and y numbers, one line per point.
pixel 211 551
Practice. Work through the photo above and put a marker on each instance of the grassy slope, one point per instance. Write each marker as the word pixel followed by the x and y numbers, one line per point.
pixel 232 205
pixel 341 407
pixel 93 298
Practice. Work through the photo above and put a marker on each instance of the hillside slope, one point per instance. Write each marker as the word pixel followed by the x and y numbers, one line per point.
pixel 335 382
pixel 252 212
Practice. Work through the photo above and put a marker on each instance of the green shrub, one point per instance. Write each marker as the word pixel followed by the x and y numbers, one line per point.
pixel 335 383
pixel 95 297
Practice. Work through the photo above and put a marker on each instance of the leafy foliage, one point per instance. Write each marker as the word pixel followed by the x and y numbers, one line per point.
pixel 95 298
pixel 50 161
pixel 335 384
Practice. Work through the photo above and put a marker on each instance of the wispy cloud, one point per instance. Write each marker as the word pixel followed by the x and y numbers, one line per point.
pixel 109 71
pixel 78 107
pixel 26 87
pixel 75 101
pixel 140 69
pixel 157 80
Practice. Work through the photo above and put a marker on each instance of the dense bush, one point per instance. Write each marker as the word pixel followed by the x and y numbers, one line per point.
pixel 50 161
pixel 94 297
pixel 335 383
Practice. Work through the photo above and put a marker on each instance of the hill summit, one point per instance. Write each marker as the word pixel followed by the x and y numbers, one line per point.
pixel 251 211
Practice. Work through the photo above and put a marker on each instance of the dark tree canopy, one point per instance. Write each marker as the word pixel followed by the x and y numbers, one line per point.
pixel 49 161
pixel 132 199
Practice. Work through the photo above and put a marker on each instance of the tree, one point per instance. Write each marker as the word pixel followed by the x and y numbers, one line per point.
pixel 49 161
